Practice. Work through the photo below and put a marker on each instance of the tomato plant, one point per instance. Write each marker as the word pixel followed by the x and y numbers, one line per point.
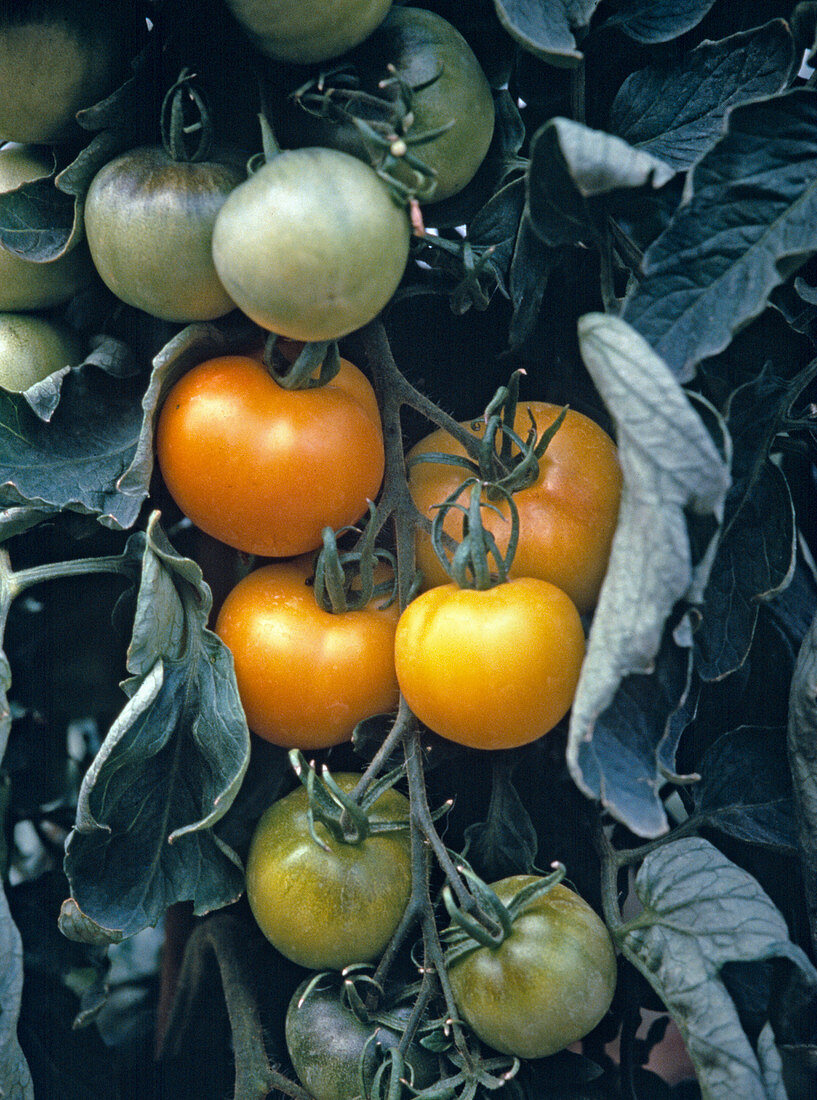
pixel 265 469
pixel 491 669
pixel 567 515
pixel 285 31
pixel 307 676
pixel 332 1048
pixel 547 984
pixel 329 902
pixel 620 684
pixel 312 245
pixel 431 81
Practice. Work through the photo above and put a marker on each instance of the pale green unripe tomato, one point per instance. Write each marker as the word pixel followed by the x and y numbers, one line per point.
pixel 24 284
pixel 31 348
pixel 312 246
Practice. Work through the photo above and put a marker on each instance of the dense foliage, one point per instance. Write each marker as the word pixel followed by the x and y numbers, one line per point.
pixel 639 243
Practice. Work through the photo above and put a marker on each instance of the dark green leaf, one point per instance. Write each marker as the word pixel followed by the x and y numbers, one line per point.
pixel 671 465
pixel 36 220
pixel 755 560
pixel 632 751
pixel 658 20
pixel 14 1072
pixel 75 461
pixel 749 218
pixel 505 843
pixel 170 766
pixel 573 169
pixel 745 788
pixel 700 912
pixel 676 112
pixel 545 27
pixel 530 272
pixel 802 750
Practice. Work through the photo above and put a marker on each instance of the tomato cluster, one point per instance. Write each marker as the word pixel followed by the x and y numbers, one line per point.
pixel 310 246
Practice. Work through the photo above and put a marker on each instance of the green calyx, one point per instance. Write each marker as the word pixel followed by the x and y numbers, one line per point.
pixel 384 122
pixel 477 561
pixel 493 923
pixel 317 364
pixel 187 132
pixel 505 461
pixel 344 817
pixel 345 580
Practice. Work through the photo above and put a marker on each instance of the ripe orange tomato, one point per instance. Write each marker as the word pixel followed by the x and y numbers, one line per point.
pixel 566 518
pixel 307 676
pixel 265 469
pixel 493 668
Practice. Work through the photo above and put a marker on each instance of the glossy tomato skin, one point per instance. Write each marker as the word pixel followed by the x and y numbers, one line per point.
pixel 421 45
pixel 326 1042
pixel 24 284
pixel 490 669
pixel 149 223
pixel 312 245
pixel 31 348
pixel 289 30
pixel 567 518
pixel 327 909
pixel 547 985
pixel 306 676
pixel 265 469
pixel 58 62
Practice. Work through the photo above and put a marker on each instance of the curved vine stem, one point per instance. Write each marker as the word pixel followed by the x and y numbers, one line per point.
pixel 222 939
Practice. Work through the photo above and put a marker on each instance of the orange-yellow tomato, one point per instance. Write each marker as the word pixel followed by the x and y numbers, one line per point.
pixel 265 469
pixel 490 669
pixel 307 676
pixel 567 517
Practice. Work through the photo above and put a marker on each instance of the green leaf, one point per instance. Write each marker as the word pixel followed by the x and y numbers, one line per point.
pixel 36 220
pixel 170 765
pixel 15 1078
pixel 545 27
pixel 675 112
pixel 745 789
pixel 531 268
pixel 748 219
pixel 802 753
pixel 573 170
pixel 658 20
pixel 77 459
pixel 670 465
pixel 700 912
pixel 505 843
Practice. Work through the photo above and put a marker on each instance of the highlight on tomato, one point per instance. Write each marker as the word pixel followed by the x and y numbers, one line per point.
pixel 263 468
pixel 567 513
pixel 336 898
pixel 545 980
pixel 312 246
pixel 306 674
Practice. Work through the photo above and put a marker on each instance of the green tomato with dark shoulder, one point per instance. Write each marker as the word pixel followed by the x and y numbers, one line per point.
pixel 452 93
pixel 328 905
pixel 33 347
pixel 149 223
pixel 329 1046
pixel 26 284
pixel 312 246
pixel 547 985
pixel 57 58
pixel 303 33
